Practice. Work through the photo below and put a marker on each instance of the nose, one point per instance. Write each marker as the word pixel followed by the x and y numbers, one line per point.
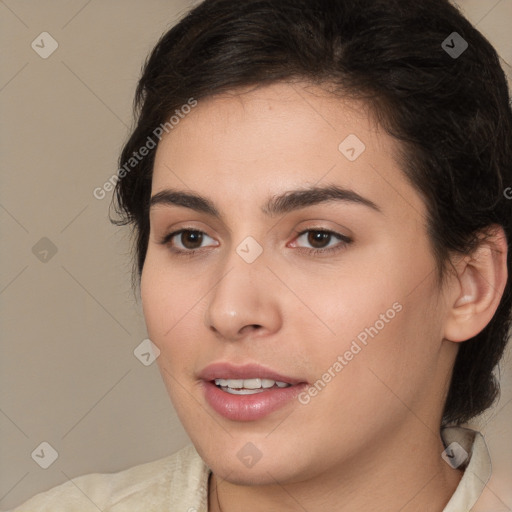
pixel 244 301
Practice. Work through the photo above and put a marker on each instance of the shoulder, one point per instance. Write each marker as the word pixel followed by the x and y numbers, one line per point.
pixel 179 480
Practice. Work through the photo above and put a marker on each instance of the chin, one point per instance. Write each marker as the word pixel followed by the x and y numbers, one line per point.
pixel 241 466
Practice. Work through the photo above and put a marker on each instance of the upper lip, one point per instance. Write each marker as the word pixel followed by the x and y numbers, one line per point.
pixel 224 370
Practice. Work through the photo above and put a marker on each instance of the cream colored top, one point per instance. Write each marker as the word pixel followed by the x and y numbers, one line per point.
pixel 179 483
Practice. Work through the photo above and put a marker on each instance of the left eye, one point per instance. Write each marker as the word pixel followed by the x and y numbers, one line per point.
pixel 321 239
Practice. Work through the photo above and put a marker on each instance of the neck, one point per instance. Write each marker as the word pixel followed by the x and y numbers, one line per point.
pixel 406 473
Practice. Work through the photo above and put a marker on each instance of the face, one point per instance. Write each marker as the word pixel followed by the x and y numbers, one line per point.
pixel 287 281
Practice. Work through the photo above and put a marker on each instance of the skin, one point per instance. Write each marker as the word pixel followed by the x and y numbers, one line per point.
pixel 370 439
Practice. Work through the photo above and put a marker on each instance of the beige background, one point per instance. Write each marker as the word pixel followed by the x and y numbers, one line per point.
pixel 68 375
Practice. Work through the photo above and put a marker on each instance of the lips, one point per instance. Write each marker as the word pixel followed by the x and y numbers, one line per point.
pixel 249 392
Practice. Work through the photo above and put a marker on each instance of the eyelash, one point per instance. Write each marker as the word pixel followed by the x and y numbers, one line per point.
pixel 344 241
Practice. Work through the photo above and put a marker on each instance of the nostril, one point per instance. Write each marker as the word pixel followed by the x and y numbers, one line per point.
pixel 251 327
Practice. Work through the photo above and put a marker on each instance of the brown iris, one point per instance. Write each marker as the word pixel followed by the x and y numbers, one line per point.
pixel 191 239
pixel 317 239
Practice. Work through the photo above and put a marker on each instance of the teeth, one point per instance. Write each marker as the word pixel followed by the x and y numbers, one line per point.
pixel 248 386
pixel 252 384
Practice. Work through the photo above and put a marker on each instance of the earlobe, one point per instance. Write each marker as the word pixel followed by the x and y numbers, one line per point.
pixel 476 290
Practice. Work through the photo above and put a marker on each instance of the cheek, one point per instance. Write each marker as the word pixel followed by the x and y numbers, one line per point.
pixel 382 356
pixel 168 296
pixel 165 306
pixel 174 303
pixel 382 323
pixel 156 301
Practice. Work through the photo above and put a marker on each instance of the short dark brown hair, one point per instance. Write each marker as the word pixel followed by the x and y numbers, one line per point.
pixel 450 112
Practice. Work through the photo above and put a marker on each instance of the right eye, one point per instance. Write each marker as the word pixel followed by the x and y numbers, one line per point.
pixel 188 241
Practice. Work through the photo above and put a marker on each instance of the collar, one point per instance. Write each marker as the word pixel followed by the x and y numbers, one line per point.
pixel 470 448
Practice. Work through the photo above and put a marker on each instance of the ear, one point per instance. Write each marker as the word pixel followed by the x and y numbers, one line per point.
pixel 477 287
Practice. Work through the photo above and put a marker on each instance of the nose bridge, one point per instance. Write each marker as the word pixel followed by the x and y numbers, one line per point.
pixel 241 297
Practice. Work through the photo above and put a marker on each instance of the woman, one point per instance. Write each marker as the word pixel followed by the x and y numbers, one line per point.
pixel 318 194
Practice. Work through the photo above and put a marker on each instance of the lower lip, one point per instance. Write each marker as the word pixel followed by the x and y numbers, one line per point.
pixel 249 407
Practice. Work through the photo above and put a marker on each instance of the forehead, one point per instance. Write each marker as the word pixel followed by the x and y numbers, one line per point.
pixel 250 143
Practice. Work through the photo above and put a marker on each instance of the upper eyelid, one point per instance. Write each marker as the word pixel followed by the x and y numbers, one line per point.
pixel 342 239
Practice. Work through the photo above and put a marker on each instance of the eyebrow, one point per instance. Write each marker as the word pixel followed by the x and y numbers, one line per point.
pixel 284 203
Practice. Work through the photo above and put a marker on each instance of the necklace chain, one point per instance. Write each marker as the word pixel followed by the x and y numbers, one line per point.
pixel 217 496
